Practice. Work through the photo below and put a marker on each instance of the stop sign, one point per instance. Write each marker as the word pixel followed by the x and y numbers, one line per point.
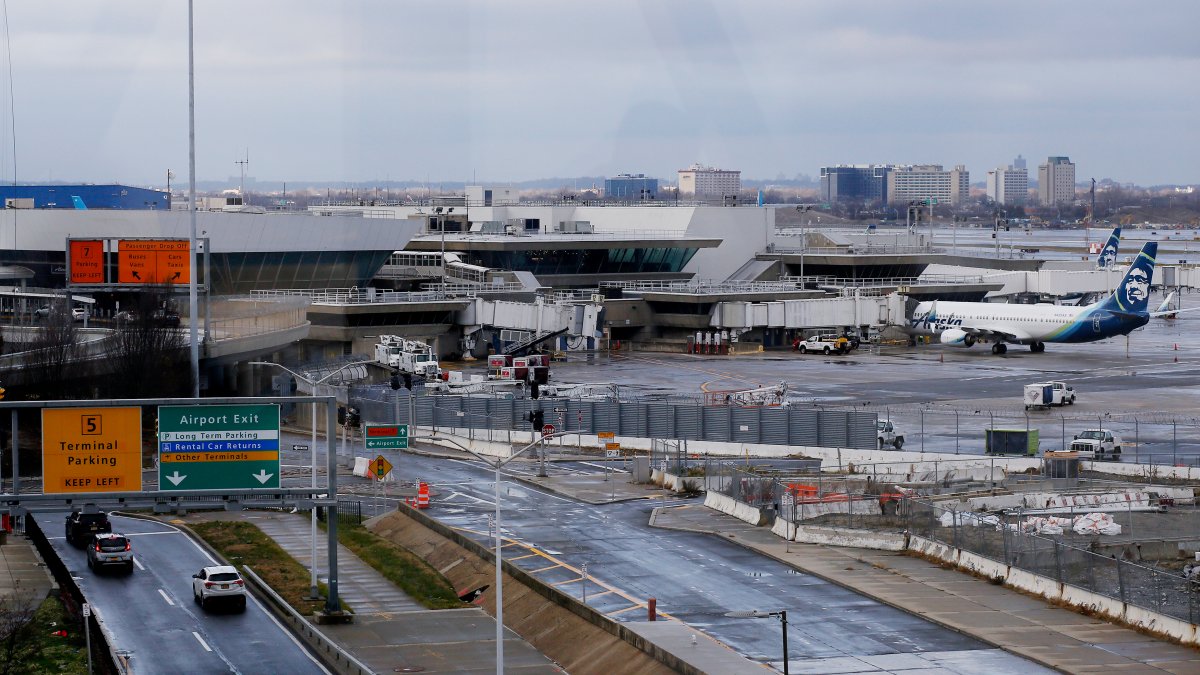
pixel 548 429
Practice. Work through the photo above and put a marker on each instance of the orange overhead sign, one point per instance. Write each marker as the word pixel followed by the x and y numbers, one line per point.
pixel 153 261
pixel 87 261
pixel 91 450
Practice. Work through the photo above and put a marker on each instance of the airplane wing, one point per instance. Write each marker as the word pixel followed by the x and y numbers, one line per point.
pixel 994 334
pixel 1170 312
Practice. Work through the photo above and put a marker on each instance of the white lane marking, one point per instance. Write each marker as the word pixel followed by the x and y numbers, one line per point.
pixel 251 599
pixel 147 534
pixel 169 600
pixel 139 564
pixel 201 641
pixel 613 469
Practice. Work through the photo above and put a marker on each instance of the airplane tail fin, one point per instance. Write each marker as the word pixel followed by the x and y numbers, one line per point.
pixel 1108 254
pixel 1133 293
pixel 1167 304
pixel 78 202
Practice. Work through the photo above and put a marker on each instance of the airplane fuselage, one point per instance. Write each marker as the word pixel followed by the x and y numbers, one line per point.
pixel 1026 324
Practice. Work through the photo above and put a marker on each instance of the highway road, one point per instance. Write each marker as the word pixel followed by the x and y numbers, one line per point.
pixel 153 618
pixel 696 578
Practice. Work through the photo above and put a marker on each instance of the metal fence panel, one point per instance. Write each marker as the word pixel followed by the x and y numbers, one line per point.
pixel 745 425
pixel 804 427
pixel 631 419
pixel 716 423
pixel 861 431
pixel 832 428
pixel 661 420
pixel 688 422
pixel 607 416
pixel 774 426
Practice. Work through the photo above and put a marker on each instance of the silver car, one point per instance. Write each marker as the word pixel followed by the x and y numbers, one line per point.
pixel 110 549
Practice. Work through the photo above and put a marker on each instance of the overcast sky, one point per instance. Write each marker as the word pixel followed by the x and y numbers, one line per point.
pixel 447 91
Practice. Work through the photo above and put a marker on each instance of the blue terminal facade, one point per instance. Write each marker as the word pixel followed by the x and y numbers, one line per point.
pixel 123 197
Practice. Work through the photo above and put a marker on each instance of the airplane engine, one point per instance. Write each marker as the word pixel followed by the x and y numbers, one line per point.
pixel 956 337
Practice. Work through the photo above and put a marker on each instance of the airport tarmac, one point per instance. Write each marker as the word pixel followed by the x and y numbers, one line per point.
pixel 929 391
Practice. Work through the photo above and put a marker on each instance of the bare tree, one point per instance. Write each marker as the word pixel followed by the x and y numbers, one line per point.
pixel 18 646
pixel 53 361
pixel 149 352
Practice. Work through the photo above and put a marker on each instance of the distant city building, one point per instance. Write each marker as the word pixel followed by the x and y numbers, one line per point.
pixel 1056 181
pixel 1008 185
pixel 928 181
pixel 855 182
pixel 121 197
pixel 631 186
pixel 708 182
pixel 1019 163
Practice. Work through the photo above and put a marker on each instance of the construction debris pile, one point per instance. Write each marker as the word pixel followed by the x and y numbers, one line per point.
pixel 1091 523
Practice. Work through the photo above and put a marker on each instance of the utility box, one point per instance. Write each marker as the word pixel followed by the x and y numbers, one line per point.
pixel 1023 442
pixel 641 469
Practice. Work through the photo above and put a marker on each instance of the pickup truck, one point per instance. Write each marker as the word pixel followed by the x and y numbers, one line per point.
pixel 1094 443
pixel 887 435
pixel 824 344
pixel 81 527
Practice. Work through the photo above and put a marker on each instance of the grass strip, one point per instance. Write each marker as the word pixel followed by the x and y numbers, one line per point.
pixel 244 544
pixel 32 645
pixel 400 566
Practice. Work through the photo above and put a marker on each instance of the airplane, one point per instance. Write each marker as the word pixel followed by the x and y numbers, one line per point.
pixel 78 203
pixel 1108 255
pixel 1167 309
pixel 962 324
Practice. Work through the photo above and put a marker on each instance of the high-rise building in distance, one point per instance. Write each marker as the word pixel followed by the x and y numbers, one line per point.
pixel 1008 185
pixel 855 182
pixel 1056 181
pixel 928 181
pixel 631 186
pixel 708 182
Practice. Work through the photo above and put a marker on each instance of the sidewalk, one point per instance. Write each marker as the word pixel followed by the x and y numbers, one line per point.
pixel 391 632
pixel 1025 626
pixel 23 575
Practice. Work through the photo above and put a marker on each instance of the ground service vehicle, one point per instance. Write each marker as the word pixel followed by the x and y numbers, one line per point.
pixel 1046 394
pixel 110 549
pixel 1096 443
pixel 825 344
pixel 887 435
pixel 220 583
pixel 408 356
pixel 82 526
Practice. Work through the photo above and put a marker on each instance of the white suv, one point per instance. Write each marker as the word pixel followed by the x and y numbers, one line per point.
pixel 217 584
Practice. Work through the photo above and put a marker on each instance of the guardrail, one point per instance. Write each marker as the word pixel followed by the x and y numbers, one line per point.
pixel 702 286
pixel 330 652
pixel 352 296
pixel 854 250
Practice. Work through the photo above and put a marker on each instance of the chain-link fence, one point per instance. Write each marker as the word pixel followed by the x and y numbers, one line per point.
pixel 1003 538
pixel 1142 438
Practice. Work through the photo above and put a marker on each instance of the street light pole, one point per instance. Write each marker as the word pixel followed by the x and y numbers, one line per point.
pixel 314 592
pixel 496 464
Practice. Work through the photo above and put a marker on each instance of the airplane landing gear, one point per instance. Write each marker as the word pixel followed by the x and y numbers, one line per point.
pixel 1000 348
pixel 1037 347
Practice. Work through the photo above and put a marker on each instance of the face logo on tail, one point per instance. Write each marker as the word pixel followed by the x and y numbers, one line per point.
pixel 1137 287
pixel 1107 256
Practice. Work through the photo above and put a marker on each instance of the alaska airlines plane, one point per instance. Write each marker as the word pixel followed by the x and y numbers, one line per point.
pixel 962 324
pixel 1108 254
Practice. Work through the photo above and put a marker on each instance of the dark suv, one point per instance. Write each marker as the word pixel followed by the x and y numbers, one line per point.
pixel 81 527
pixel 168 318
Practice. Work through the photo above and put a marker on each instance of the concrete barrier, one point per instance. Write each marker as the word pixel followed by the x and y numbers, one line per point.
pixel 729 506
pixel 841 536
pixel 1053 590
